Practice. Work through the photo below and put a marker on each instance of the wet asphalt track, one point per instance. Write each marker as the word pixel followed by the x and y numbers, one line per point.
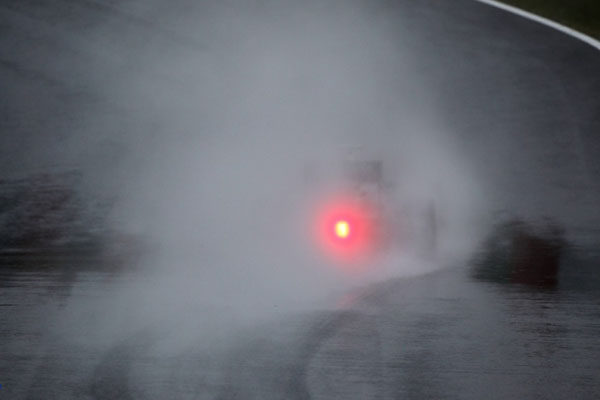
pixel 521 85
pixel 440 335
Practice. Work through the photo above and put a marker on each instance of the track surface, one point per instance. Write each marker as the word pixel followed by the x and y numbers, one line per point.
pixel 436 336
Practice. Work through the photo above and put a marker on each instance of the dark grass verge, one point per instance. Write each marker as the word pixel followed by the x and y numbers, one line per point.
pixel 581 15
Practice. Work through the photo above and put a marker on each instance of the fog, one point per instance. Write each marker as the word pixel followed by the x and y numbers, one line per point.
pixel 210 133
pixel 209 170
pixel 210 114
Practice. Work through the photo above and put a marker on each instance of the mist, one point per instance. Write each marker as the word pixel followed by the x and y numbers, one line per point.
pixel 165 167
pixel 214 113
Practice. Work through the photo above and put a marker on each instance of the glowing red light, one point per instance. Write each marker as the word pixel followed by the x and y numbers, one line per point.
pixel 342 229
pixel 345 228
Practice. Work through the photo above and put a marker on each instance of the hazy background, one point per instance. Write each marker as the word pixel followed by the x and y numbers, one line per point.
pixel 195 121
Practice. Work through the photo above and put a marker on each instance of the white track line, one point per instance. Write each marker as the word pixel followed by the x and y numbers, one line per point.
pixel 555 25
pixel 583 37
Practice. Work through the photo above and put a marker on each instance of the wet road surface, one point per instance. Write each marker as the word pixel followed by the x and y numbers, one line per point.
pixel 441 335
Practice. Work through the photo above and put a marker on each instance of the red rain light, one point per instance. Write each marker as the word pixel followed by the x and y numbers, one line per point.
pixel 345 229
pixel 342 229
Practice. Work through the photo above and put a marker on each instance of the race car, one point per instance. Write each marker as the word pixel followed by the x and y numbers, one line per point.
pixel 362 217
